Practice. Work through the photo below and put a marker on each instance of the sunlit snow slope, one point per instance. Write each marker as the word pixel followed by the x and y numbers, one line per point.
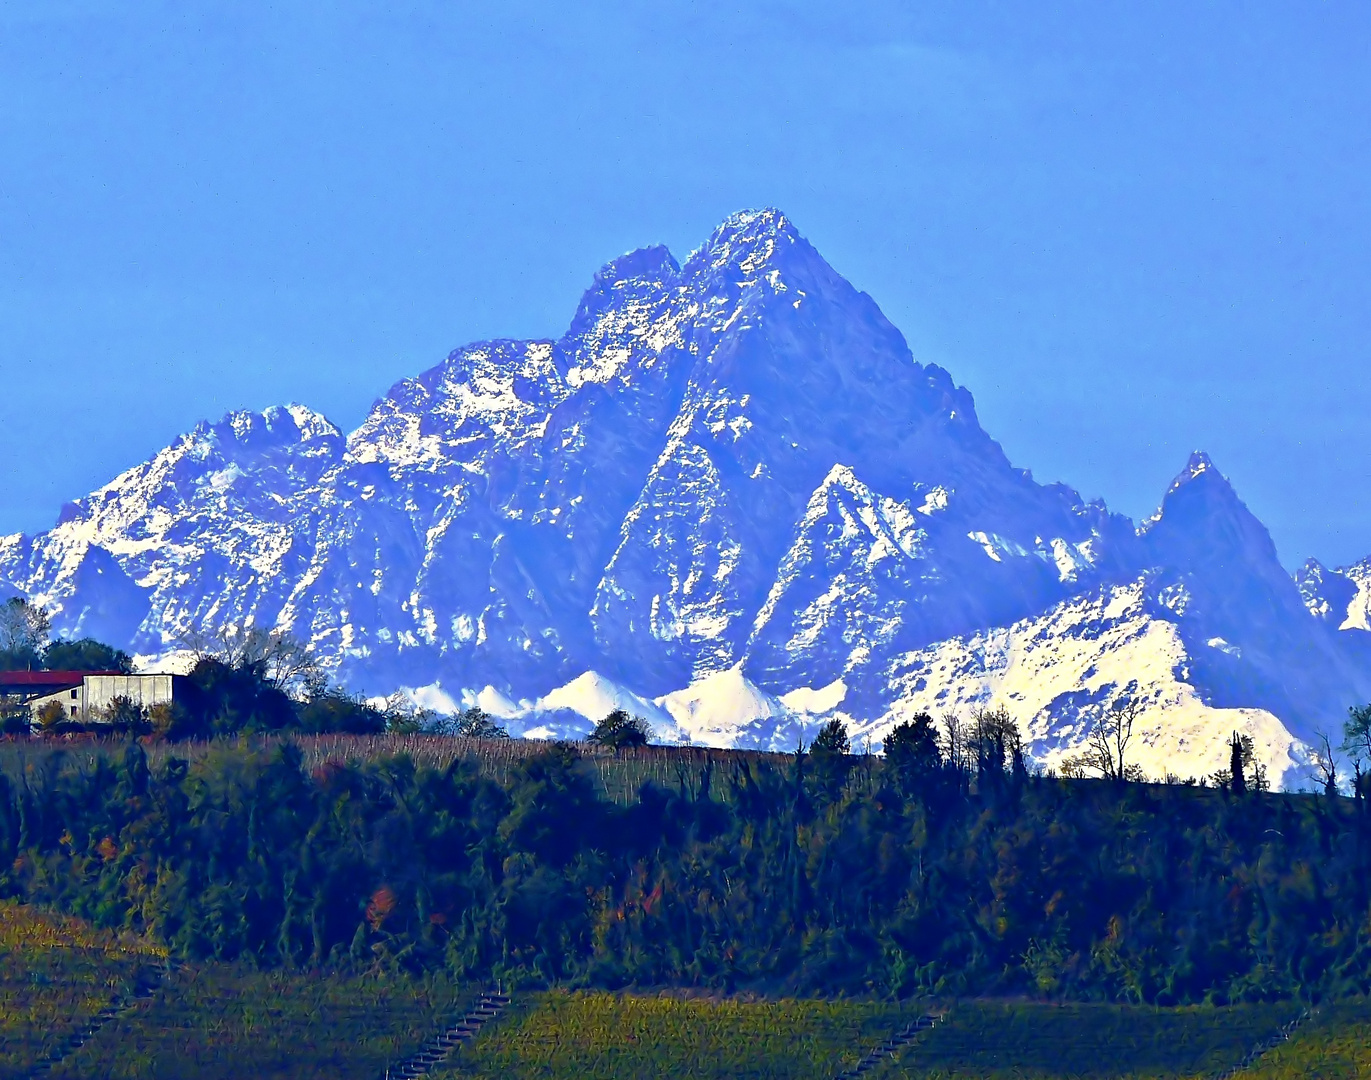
pixel 728 498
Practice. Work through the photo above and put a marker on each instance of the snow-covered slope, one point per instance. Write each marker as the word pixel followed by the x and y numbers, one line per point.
pixel 1340 598
pixel 1359 607
pixel 1059 672
pixel 728 498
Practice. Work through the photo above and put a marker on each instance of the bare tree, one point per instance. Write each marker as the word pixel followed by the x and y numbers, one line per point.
pixel 1324 764
pixel 404 716
pixel 279 658
pixel 1106 747
pixel 24 632
pixel 955 741
pixel 996 740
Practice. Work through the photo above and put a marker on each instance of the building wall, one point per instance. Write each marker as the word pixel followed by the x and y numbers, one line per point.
pixel 98 692
pixel 73 702
pixel 145 690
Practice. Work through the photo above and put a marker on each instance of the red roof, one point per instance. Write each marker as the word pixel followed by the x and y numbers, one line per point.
pixel 41 680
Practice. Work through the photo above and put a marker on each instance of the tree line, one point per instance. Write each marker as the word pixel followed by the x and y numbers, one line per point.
pixel 946 866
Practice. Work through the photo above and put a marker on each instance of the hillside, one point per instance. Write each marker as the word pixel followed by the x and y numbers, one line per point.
pixel 323 907
pixel 213 1020
pixel 824 873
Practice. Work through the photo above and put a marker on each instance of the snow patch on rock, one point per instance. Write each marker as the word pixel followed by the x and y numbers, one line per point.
pixel 1060 672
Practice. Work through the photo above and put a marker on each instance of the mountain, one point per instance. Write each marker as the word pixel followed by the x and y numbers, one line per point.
pixel 731 498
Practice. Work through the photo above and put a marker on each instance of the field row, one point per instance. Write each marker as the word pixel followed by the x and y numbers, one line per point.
pixel 218 1022
pixel 55 974
pixel 612 1037
pixel 617 776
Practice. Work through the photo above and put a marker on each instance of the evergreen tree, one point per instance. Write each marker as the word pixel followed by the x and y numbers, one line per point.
pixel 832 740
pixel 328 709
pixel 224 699
pixel 1237 779
pixel 830 760
pixel 1357 742
pixel 912 754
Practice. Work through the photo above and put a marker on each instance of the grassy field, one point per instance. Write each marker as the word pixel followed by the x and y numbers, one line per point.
pixel 990 1041
pixel 616 1037
pixel 600 1036
pixel 1334 1045
pixel 55 973
pixel 215 1022
pixel 221 1022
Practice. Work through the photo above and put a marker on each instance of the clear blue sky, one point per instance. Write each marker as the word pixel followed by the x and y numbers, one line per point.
pixel 1131 230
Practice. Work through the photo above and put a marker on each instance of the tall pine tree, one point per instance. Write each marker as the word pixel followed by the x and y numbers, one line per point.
pixel 1235 766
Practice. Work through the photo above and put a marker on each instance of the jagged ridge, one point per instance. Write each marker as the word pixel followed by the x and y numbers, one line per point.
pixel 728 465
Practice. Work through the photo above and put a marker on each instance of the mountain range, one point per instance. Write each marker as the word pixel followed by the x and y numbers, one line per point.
pixel 728 498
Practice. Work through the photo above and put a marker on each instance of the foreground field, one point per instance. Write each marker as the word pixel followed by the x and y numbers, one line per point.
pixel 55 974
pixel 220 1022
pixel 994 1041
pixel 217 1022
pixel 1335 1045
pixel 599 1036
pixel 603 1036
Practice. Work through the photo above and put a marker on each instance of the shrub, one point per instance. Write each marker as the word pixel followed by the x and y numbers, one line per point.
pixel 335 711
pixel 476 723
pixel 618 730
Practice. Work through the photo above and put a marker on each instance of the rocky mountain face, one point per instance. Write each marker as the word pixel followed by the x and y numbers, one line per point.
pixel 731 499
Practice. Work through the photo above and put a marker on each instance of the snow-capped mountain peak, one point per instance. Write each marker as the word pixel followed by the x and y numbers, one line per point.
pixel 1199 465
pixel 748 242
pixel 728 497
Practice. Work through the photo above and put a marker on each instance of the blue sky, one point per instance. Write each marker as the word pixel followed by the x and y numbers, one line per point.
pixel 1131 230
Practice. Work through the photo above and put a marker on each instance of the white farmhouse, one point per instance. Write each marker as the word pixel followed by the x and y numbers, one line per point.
pixel 88 700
